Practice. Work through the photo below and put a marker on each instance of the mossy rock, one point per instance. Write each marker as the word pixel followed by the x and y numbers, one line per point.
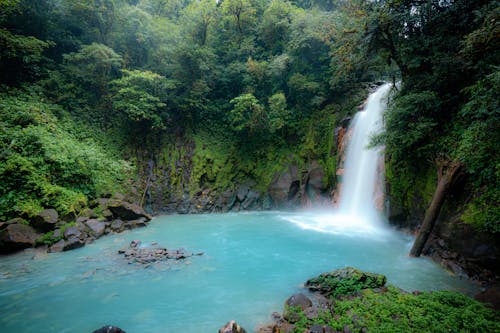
pixel 345 281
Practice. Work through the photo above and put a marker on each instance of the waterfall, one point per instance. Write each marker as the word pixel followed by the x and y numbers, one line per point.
pixel 360 175
pixel 357 214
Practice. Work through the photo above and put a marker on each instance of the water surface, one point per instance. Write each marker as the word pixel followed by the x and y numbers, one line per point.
pixel 252 262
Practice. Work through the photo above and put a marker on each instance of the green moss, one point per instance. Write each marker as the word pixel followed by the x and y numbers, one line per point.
pixel 483 211
pixel 345 281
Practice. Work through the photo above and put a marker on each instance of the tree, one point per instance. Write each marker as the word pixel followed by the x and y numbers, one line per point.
pixel 92 67
pixel 449 172
pixel 279 115
pixel 198 17
pixel 20 57
pixel 141 96
pixel 247 115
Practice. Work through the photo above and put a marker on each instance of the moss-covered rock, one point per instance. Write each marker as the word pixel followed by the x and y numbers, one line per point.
pixel 345 281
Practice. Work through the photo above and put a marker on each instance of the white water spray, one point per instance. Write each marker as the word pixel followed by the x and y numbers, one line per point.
pixel 356 214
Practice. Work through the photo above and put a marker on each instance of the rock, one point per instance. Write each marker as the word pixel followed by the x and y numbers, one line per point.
pixel 16 220
pixel 72 243
pixel 72 232
pixel 57 247
pixel 242 193
pixel 109 329
pixel 316 329
pixel 491 297
pixel 250 199
pixel 294 304
pixel 45 220
pixel 90 213
pixel 117 225
pixel 299 300
pixel 285 186
pixel 344 281
pixel 136 223
pixel 315 184
pixel 81 219
pixel 97 227
pixel 127 211
pixel 135 243
pixel 16 237
pixel 232 327
pixel 146 255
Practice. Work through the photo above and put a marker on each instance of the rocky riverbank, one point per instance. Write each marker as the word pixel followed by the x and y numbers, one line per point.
pixel 349 300
pixel 63 233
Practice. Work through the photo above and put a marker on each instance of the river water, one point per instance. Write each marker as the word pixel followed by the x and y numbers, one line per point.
pixel 252 262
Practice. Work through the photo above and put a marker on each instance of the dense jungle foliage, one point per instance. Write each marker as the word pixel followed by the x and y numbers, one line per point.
pixel 86 85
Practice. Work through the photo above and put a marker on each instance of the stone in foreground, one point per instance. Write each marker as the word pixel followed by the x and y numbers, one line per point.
pixel 232 327
pixel 17 237
pixel 109 329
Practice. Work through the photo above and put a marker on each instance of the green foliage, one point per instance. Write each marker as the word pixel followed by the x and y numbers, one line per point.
pixel 247 114
pixel 49 238
pixel 140 95
pixel 410 126
pixel 20 57
pixel 361 305
pixel 44 165
pixel 396 311
pixel 345 281
pixel 483 211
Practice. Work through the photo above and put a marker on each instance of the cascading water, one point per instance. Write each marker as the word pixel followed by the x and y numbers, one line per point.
pixel 356 213
pixel 358 184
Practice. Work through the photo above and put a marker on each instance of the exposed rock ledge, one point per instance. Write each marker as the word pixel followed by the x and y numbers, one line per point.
pixel 104 216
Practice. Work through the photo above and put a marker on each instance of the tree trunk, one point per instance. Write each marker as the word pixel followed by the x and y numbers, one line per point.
pixel 448 174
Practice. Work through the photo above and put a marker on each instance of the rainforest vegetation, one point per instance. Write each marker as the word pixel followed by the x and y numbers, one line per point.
pixel 90 90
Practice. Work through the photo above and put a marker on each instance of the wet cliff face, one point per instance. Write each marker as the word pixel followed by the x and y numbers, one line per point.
pixel 181 179
pixel 454 244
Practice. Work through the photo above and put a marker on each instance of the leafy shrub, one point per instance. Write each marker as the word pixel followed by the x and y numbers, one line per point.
pixel 43 164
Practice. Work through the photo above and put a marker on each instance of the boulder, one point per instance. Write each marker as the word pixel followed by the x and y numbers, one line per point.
pixel 45 220
pixel 232 327
pixel 109 329
pixel 57 247
pixel 127 211
pixel 345 281
pixel 294 305
pixel 16 237
pixel 117 225
pixel 315 185
pixel 242 193
pixel 284 186
pixel 300 300
pixel 72 232
pixel 491 297
pixel 250 200
pixel 72 243
pixel 97 227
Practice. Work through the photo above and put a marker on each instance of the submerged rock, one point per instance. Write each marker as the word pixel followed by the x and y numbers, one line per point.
pixel 148 255
pixel 345 281
pixel 16 237
pixel 109 329
pixel 232 327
